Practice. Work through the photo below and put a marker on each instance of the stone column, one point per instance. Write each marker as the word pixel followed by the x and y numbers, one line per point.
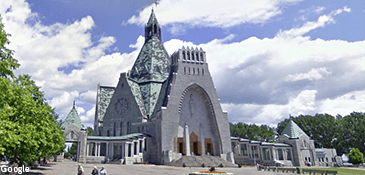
pixel 202 140
pixel 98 149
pixel 112 150
pixel 107 149
pixel 187 140
pixel 87 149
pixel 95 149
pixel 132 149
pixel 125 149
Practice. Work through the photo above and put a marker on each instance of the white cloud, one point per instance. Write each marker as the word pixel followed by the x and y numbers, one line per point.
pixel 344 104
pixel 257 79
pixel 313 74
pixel 307 27
pixel 214 13
pixel 88 119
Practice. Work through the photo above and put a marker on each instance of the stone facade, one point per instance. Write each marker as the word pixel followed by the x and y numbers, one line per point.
pixel 172 100
pixel 293 148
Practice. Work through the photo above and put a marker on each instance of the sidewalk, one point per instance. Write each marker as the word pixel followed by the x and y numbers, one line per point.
pixel 69 168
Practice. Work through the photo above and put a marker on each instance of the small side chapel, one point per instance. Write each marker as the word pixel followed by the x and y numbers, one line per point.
pixel 163 109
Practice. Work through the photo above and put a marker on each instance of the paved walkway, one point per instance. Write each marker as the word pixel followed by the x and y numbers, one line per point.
pixel 69 168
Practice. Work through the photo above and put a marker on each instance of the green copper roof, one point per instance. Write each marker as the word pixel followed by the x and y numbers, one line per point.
pixel 150 71
pixel 293 130
pixel 152 64
pixel 72 117
pixel 106 94
pixel 124 137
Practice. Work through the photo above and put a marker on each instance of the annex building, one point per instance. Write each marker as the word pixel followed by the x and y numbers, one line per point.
pixel 165 110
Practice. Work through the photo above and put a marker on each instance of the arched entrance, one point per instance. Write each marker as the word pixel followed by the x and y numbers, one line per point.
pixel 198 132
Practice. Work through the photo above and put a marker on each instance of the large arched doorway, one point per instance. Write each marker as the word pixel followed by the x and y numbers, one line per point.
pixel 197 122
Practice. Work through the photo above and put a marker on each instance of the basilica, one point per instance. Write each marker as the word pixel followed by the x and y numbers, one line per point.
pixel 165 110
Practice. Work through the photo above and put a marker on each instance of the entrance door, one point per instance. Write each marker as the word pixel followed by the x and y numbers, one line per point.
pixel 194 144
pixel 208 146
pixel 181 145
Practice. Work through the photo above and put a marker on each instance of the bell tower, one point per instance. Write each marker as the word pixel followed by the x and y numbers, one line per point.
pixel 152 28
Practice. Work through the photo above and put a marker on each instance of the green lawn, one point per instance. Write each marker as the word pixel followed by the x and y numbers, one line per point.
pixel 342 171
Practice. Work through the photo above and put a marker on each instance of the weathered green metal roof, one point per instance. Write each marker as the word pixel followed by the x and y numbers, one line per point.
pixel 150 71
pixel 72 117
pixel 152 64
pixel 124 137
pixel 106 94
pixel 292 130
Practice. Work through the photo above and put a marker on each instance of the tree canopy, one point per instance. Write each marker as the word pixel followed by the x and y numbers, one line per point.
pixel 28 128
pixel 341 133
pixel 355 156
pixel 253 132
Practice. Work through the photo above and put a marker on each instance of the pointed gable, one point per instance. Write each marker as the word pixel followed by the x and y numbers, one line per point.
pixel 292 130
pixel 151 70
pixel 72 118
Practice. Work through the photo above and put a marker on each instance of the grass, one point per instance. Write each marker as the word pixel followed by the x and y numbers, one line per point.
pixel 342 171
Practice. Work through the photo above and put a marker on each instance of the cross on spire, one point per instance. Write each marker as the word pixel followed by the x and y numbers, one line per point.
pixel 156 3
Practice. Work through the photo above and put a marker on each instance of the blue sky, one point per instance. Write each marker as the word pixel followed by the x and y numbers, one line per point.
pixel 268 59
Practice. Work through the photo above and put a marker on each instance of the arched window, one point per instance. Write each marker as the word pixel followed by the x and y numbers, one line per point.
pixel 184 55
pixel 197 56
pixel 192 56
pixel 121 129
pixel 201 57
pixel 188 54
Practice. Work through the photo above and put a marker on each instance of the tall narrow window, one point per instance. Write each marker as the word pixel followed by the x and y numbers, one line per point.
pixel 189 71
pixel 201 57
pixel 198 71
pixel 114 133
pixel 188 54
pixel 192 56
pixel 202 72
pixel 184 55
pixel 121 129
pixel 184 70
pixel 193 71
pixel 197 56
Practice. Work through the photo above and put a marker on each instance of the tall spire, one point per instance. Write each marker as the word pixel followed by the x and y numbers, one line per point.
pixel 152 27
pixel 151 69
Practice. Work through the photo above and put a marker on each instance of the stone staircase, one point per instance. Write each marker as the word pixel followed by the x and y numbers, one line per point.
pixel 197 161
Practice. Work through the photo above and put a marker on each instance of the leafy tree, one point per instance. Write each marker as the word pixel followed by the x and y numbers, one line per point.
pixel 72 151
pixel 355 156
pixel 253 132
pixel 89 131
pixel 28 129
pixel 341 133
pixel 7 62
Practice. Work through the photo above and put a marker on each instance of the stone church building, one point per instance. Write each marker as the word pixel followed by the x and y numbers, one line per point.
pixel 170 100
pixel 165 110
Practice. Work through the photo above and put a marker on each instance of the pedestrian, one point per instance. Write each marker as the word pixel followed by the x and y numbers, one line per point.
pixel 95 171
pixel 103 171
pixel 80 170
